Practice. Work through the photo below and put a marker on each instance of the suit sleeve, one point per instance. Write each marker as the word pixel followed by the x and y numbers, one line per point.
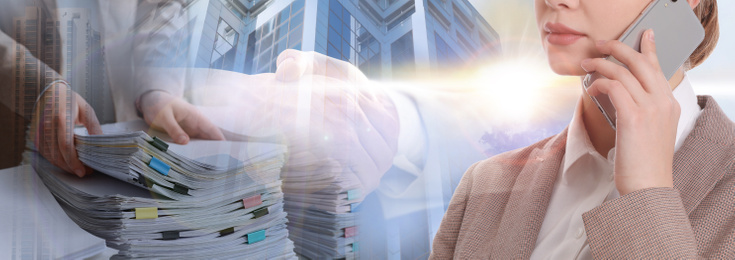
pixel 9 51
pixel 653 224
pixel 446 237
pixel 157 24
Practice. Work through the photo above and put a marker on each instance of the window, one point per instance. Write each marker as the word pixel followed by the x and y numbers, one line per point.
pixel 225 46
pixel 284 31
pixel 348 40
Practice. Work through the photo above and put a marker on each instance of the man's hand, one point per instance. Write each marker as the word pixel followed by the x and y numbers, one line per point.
pixel 360 123
pixel 59 109
pixel 178 118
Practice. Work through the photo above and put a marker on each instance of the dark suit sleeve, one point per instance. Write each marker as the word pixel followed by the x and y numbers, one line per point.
pixel 445 240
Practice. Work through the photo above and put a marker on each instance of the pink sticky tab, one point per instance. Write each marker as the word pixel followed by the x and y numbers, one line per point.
pixel 350 231
pixel 252 201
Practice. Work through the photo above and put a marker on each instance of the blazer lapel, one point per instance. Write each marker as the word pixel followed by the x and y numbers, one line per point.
pixel 526 207
pixel 699 162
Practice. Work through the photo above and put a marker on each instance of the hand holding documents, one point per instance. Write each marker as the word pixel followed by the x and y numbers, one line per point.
pixel 212 207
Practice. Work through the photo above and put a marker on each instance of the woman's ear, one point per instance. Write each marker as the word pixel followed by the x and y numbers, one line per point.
pixel 693 3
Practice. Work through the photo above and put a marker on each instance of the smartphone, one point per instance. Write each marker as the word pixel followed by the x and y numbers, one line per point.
pixel 678 33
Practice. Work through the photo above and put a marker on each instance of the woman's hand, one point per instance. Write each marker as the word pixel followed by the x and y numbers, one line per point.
pixel 59 109
pixel 178 118
pixel 647 113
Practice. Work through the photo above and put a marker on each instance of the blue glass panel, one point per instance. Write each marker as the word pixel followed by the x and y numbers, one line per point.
pixel 297 5
pixel 285 14
pixel 333 52
pixel 346 32
pixel 334 37
pixel 297 20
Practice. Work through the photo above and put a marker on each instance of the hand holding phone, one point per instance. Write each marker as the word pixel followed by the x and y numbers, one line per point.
pixel 647 115
pixel 678 33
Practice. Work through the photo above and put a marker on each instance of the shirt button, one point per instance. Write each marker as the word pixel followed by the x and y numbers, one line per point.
pixel 580 232
pixel 612 176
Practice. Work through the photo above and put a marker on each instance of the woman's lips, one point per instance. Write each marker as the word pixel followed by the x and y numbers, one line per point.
pixel 560 34
pixel 563 39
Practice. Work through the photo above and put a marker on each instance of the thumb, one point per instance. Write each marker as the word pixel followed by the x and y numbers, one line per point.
pixel 291 65
pixel 88 117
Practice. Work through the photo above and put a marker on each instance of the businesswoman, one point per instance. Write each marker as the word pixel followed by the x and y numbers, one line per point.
pixel 662 186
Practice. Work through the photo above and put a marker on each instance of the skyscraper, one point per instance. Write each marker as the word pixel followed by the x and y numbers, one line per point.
pixel 384 38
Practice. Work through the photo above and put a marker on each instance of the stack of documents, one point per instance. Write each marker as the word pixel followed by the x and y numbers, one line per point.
pixel 212 207
pixel 320 205
pixel 34 225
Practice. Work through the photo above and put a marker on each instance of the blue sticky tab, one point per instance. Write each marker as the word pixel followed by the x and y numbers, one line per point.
pixel 353 194
pixel 159 166
pixel 355 247
pixel 353 207
pixel 256 236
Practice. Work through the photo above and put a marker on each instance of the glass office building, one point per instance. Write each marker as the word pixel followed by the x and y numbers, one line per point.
pixel 384 38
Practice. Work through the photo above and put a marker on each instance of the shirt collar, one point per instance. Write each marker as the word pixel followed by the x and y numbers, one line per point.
pixel 579 144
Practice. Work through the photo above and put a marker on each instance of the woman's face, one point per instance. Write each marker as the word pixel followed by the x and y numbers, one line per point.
pixel 570 28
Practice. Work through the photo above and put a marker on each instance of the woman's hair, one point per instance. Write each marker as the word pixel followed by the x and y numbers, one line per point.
pixel 706 11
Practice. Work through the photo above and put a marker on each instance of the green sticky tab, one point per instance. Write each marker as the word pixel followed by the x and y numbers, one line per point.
pixel 159 166
pixel 181 189
pixel 256 236
pixel 170 235
pixel 353 194
pixel 355 247
pixel 146 213
pixel 159 144
pixel 260 212
pixel 227 231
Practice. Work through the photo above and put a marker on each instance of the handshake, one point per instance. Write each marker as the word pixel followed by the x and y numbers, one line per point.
pixel 327 111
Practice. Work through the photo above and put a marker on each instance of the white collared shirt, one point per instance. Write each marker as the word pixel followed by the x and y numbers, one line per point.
pixel 586 180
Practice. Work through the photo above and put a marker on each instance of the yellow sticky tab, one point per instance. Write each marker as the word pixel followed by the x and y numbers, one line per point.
pixel 146 213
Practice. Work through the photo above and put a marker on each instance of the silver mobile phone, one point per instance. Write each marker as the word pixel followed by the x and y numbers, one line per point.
pixel 678 33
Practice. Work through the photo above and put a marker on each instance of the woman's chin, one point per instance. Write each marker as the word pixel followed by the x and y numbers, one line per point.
pixel 567 69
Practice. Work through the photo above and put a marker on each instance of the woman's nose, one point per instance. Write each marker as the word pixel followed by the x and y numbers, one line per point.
pixel 563 4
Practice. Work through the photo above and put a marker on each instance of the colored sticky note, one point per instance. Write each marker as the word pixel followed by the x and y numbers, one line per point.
pixel 227 231
pixel 159 166
pixel 146 213
pixel 170 235
pixel 350 231
pixel 353 207
pixel 353 194
pixel 355 247
pixel 256 236
pixel 260 212
pixel 159 144
pixel 253 201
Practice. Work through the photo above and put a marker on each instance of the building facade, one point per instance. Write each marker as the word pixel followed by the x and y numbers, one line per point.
pixel 384 38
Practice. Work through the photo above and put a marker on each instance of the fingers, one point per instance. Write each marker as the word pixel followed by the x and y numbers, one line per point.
pixel 619 73
pixel 197 125
pixel 63 127
pixel 644 66
pixel 167 121
pixel 293 64
pixel 619 96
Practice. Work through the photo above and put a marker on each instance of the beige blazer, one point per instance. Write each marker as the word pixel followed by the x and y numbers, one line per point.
pixel 497 210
